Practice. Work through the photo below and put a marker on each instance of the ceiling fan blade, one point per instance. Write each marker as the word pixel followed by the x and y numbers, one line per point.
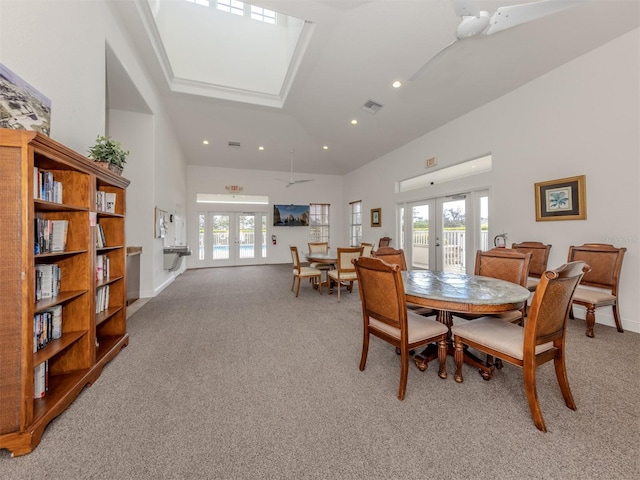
pixel 465 8
pixel 423 68
pixel 507 17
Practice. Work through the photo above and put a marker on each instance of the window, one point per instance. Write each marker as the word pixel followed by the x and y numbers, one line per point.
pixel 356 223
pixel 319 222
pixel 231 6
pixel 263 15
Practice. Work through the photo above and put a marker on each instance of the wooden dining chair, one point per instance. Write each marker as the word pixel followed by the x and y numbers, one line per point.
pixel 542 339
pixel 345 271
pixel 503 264
pixel 384 242
pixel 539 258
pixel 396 257
pixel 385 315
pixel 300 272
pixel 367 248
pixel 605 261
pixel 319 247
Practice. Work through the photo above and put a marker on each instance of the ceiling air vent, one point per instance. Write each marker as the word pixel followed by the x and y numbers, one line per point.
pixel 371 106
pixel 234 144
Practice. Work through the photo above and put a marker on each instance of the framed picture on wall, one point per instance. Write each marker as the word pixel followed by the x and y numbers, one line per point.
pixel 376 217
pixel 562 199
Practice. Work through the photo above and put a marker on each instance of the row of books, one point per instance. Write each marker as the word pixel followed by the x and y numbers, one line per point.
pixel 50 235
pixel 102 267
pixel 47 281
pixel 41 379
pixel 47 326
pixel 105 201
pixel 45 187
pixel 102 299
pixel 100 240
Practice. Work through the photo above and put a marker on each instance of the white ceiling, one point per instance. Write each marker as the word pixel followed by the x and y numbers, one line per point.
pixel 357 49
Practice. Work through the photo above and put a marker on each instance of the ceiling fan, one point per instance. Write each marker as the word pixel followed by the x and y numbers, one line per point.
pixel 291 181
pixel 474 21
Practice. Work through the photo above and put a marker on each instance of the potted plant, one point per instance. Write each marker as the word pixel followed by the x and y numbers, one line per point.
pixel 109 154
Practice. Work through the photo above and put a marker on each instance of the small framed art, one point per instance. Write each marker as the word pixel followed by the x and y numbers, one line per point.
pixel 562 199
pixel 376 217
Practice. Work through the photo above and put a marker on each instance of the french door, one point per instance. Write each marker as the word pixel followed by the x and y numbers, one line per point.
pixel 443 234
pixel 231 238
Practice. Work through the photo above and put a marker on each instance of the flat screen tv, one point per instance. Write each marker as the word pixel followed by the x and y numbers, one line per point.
pixel 291 215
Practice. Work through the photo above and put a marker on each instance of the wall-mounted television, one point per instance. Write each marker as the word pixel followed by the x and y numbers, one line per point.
pixel 291 215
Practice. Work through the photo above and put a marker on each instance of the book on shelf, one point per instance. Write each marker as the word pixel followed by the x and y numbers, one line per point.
pixel 47 326
pixel 102 267
pixel 45 187
pixel 41 379
pixel 105 201
pixel 47 281
pixel 50 235
pixel 100 239
pixel 102 299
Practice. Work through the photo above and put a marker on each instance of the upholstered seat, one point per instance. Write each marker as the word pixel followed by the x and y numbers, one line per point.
pixel 319 247
pixel 345 271
pixel 300 272
pixel 385 315
pixel 605 261
pixel 367 249
pixel 542 339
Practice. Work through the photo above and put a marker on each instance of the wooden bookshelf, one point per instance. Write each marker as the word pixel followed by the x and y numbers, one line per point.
pixel 89 339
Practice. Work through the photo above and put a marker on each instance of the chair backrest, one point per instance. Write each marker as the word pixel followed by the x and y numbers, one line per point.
pixel 345 257
pixel 367 248
pixel 503 263
pixel 318 247
pixel 295 258
pixel 384 242
pixel 382 292
pixel 392 256
pixel 539 256
pixel 605 261
pixel 550 305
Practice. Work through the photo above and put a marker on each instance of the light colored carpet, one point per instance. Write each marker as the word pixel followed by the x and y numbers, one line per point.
pixel 229 376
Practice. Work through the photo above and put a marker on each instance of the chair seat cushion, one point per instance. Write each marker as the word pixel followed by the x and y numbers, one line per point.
pixel 498 335
pixel 307 272
pixel 510 316
pixel 420 328
pixel 344 276
pixel 595 297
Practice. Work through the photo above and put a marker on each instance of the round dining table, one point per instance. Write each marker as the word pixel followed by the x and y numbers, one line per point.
pixel 450 293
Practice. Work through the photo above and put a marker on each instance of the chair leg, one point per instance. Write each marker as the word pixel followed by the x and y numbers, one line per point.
pixel 442 358
pixel 298 289
pixel 591 320
pixel 458 357
pixel 404 372
pixel 339 284
pixel 293 282
pixel 617 318
pixel 529 373
pixel 563 380
pixel 365 350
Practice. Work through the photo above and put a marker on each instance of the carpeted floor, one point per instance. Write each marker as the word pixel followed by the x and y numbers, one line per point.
pixel 229 376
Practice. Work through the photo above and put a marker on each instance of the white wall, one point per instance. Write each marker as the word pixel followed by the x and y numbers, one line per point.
pixel 323 189
pixel 581 119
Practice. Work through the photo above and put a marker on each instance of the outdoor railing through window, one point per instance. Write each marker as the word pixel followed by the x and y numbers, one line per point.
pixel 246 245
pixel 453 245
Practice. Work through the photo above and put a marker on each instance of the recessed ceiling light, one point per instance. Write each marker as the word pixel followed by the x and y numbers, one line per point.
pixel 396 84
pixel 260 147
pixel 205 142
pixel 354 122
pixel 325 147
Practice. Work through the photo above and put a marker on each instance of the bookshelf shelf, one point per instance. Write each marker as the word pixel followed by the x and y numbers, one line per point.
pixel 53 198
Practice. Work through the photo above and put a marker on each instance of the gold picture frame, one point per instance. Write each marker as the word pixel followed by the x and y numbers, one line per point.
pixel 562 199
pixel 376 217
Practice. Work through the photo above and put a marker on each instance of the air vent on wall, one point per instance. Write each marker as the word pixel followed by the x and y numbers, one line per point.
pixel 234 144
pixel 371 106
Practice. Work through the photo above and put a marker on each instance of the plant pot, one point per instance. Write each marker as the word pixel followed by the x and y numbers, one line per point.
pixel 110 166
